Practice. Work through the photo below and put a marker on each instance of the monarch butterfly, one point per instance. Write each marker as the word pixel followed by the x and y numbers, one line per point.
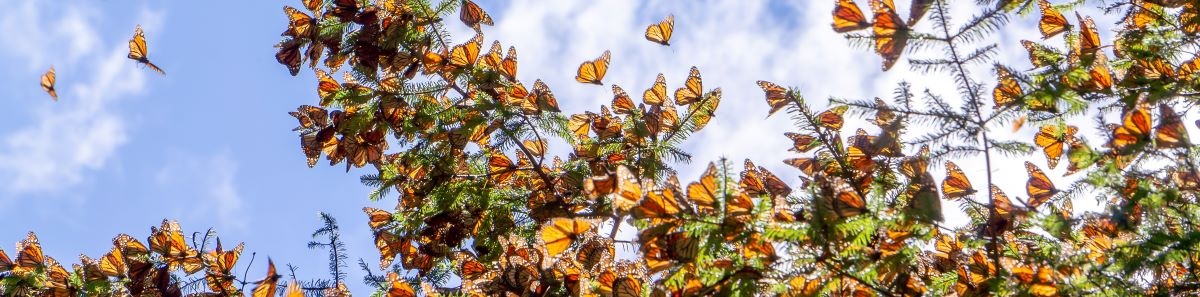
pixel 891 34
pixel 1037 53
pixel 832 118
pixel 48 80
pixel 137 50
pixel 473 15
pixel 801 143
pixel 659 205
pixel 594 252
pixel 6 263
pixel 843 200
pixel 1089 38
pixel 914 167
pixel 57 279
pixel 1052 140
pixel 629 190
pixel 657 93
pixel 267 286
pixel 500 167
pixel 327 86
pixel 1002 221
pixel 763 181
pixel 704 192
pixel 592 72
pixel 169 243
pixel 113 264
pixel 560 233
pixel 377 218
pixel 1100 74
pixel 777 96
pixel 401 288
pixel 621 103
pixel 1170 133
pixel 219 273
pixel 661 32
pixel 468 267
pixel 1039 187
pixel 1135 130
pixel 1008 91
pixel 848 17
pixel 956 184
pixel 300 25
pixel 30 256
pixel 1052 22
pixel 542 100
pixel 289 55
pixel 1189 17
pixel 692 89
pixel 1144 13
pixel 806 165
pixel 466 54
pixel 508 66
pixel 344 10
pixel 129 246
pixel 1079 156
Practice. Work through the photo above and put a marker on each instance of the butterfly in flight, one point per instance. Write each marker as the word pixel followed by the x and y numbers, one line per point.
pixel 661 32
pixel 48 80
pixel 592 72
pixel 137 50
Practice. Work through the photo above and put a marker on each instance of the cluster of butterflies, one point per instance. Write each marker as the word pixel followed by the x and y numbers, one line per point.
pixel 137 52
pixel 891 33
pixel 132 268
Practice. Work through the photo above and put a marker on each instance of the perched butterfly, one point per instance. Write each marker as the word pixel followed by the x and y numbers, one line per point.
pixel 465 55
pixel 832 118
pixel 692 89
pixel 956 184
pixel 661 32
pixel 400 288
pixel 777 96
pixel 1134 130
pixel 560 233
pixel 468 267
pixel 508 66
pixel 1039 187
pixel 621 103
pixel 1089 38
pixel 628 190
pixel 842 199
pixel 542 100
pixel 1052 22
pixel 891 34
pixel 289 55
pixel 501 167
pixel 1051 139
pixel 300 25
pixel 704 192
pixel 29 256
pixel 473 15
pixel 1170 133
pixel 592 72
pixel 1079 156
pixel 657 93
pixel 6 263
pixel 1003 208
pixel 1008 91
pixel 137 50
pixel 917 10
pixel 267 286
pixel 219 264
pixel 113 264
pixel 848 17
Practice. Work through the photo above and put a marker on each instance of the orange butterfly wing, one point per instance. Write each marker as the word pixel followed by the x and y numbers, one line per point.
pixel 1053 22
pixel 848 17
pixel 592 72
pixel 891 33
pixel 661 32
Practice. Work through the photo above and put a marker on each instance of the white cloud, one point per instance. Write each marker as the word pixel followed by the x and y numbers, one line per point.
pixel 66 140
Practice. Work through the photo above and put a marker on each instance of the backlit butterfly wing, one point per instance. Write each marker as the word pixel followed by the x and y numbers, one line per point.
pixel 377 218
pixel 30 257
pixel 6 263
pixel 629 190
pixel 661 32
pixel 692 90
pixel 48 83
pixel 1052 22
pixel 917 10
pixel 1052 141
pixel 704 192
pixel 468 267
pixel 1036 52
pixel 401 288
pixel 1170 133
pixel 289 55
pixel 621 103
pixel 508 66
pixel 777 96
pixel 592 72
pixel 473 15
pixel 848 17
pixel 560 233
pixel 1089 38
pixel 466 54
pixel 891 34
pixel 268 285
pixel 501 168
pixel 956 184
pixel 113 264
pixel 300 25
pixel 1008 91
pixel 844 200
pixel 1135 130
pixel 542 98
pixel 657 93
pixel 1039 187
pixel 832 118
pixel 137 50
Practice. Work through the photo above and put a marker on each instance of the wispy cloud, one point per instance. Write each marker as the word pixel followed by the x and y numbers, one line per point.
pixel 65 141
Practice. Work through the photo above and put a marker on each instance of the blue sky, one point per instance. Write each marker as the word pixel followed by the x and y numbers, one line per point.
pixel 210 143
